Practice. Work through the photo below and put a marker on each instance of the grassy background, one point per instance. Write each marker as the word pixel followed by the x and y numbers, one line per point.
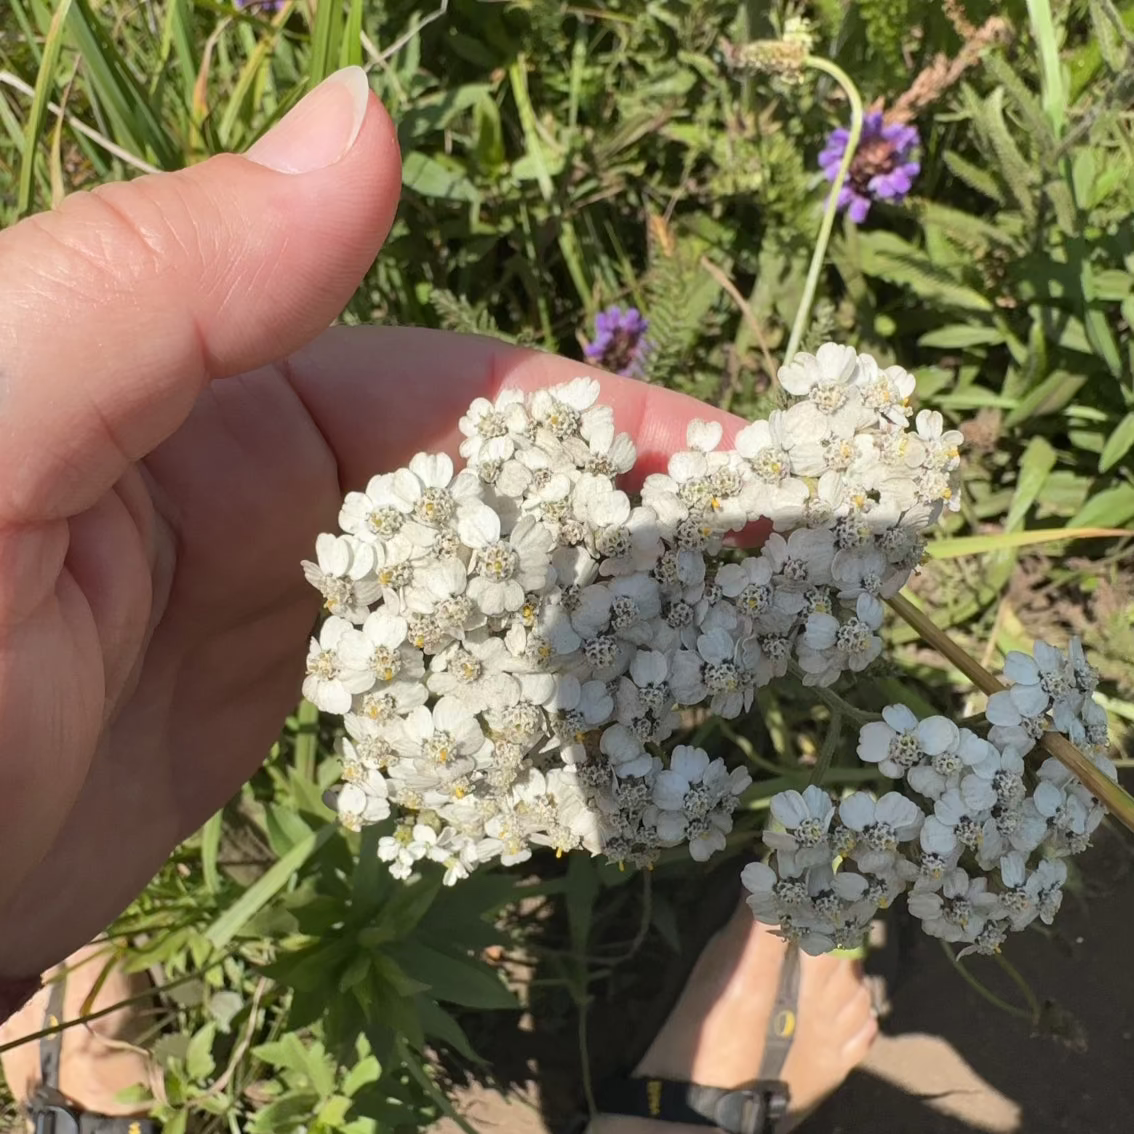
pixel 560 157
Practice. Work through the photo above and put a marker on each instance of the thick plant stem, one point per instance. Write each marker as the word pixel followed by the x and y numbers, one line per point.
pixel 1116 799
pixel 819 256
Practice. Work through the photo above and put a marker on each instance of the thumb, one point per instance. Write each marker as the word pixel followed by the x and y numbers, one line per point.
pixel 118 307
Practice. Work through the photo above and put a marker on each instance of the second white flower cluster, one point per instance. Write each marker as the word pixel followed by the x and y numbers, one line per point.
pixel 979 843
pixel 509 644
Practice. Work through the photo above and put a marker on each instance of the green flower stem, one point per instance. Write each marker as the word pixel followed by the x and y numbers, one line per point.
pixel 836 703
pixel 820 254
pixel 1114 798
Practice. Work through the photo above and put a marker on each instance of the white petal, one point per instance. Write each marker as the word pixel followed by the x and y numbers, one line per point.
pixel 703 435
pixel 937 735
pixel 1019 666
pixel 789 808
pixel 900 718
pixel 857 811
pixel 478 525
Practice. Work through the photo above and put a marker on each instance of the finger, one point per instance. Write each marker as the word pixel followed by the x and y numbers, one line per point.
pixel 380 394
pixel 117 308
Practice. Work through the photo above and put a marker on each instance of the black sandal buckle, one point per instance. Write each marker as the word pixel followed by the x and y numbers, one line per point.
pixel 50 1118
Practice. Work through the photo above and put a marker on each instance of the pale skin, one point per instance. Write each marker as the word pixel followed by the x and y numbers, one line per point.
pixel 177 425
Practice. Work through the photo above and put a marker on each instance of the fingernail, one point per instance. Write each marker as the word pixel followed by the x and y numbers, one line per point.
pixel 319 130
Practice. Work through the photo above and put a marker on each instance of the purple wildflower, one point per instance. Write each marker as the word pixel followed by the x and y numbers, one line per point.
pixel 881 168
pixel 620 342
pixel 260 5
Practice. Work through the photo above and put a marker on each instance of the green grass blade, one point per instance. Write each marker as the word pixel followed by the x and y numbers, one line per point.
pixel 132 114
pixel 265 888
pixel 326 35
pixel 1051 67
pixel 210 851
pixel 1006 541
pixel 350 54
pixel 45 83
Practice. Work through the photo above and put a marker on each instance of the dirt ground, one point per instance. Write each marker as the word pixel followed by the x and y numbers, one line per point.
pixel 949 1062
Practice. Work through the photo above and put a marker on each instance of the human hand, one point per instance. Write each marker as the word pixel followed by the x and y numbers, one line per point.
pixel 174 432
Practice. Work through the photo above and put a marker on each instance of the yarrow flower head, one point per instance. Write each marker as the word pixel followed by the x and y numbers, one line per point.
pixel 978 844
pixel 511 643
pixel 883 167
pixel 620 344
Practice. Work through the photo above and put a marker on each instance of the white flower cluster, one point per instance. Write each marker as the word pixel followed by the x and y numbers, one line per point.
pixel 509 644
pixel 981 847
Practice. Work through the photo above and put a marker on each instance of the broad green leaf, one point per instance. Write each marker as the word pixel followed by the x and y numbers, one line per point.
pixel 432 177
pixel 1118 444
pixel 441 1025
pixel 1050 396
pixel 199 1061
pixel 1035 465
pixel 1112 507
pixel 472 984
pixel 960 335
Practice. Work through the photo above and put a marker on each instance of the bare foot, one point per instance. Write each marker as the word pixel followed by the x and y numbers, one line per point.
pixel 99 1059
pixel 715 1034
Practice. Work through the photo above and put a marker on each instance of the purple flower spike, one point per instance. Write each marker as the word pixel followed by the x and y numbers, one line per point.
pixel 620 344
pixel 882 168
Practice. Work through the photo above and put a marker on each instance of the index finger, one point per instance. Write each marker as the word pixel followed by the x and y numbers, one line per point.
pixel 380 394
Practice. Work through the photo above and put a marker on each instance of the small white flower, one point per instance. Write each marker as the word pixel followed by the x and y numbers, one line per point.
pixel 900 741
pixel 330 685
pixel 880 825
pixel 446 732
pixel 806 818
pixel 802 560
pixel 506 569
pixel 379 651
pixel 360 804
pixel 824 377
pixel 959 911
pixel 343 575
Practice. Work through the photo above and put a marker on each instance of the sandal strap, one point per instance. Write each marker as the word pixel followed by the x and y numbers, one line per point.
pixel 782 1023
pixel 60 1118
pixel 48 1108
pixel 752 1109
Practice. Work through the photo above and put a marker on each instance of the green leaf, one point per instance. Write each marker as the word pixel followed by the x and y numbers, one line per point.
pixel 199 1061
pixel 973 176
pixel 210 851
pixel 957 336
pixel 289 1112
pixel 472 984
pixel 1118 444
pixel 44 85
pixel 893 259
pixel 439 1024
pixel 264 889
pixel 1003 541
pixel 1051 67
pixel 1050 396
pixel 309 1061
pixel 1112 508
pixel 582 889
pixel 1035 465
pixel 432 177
